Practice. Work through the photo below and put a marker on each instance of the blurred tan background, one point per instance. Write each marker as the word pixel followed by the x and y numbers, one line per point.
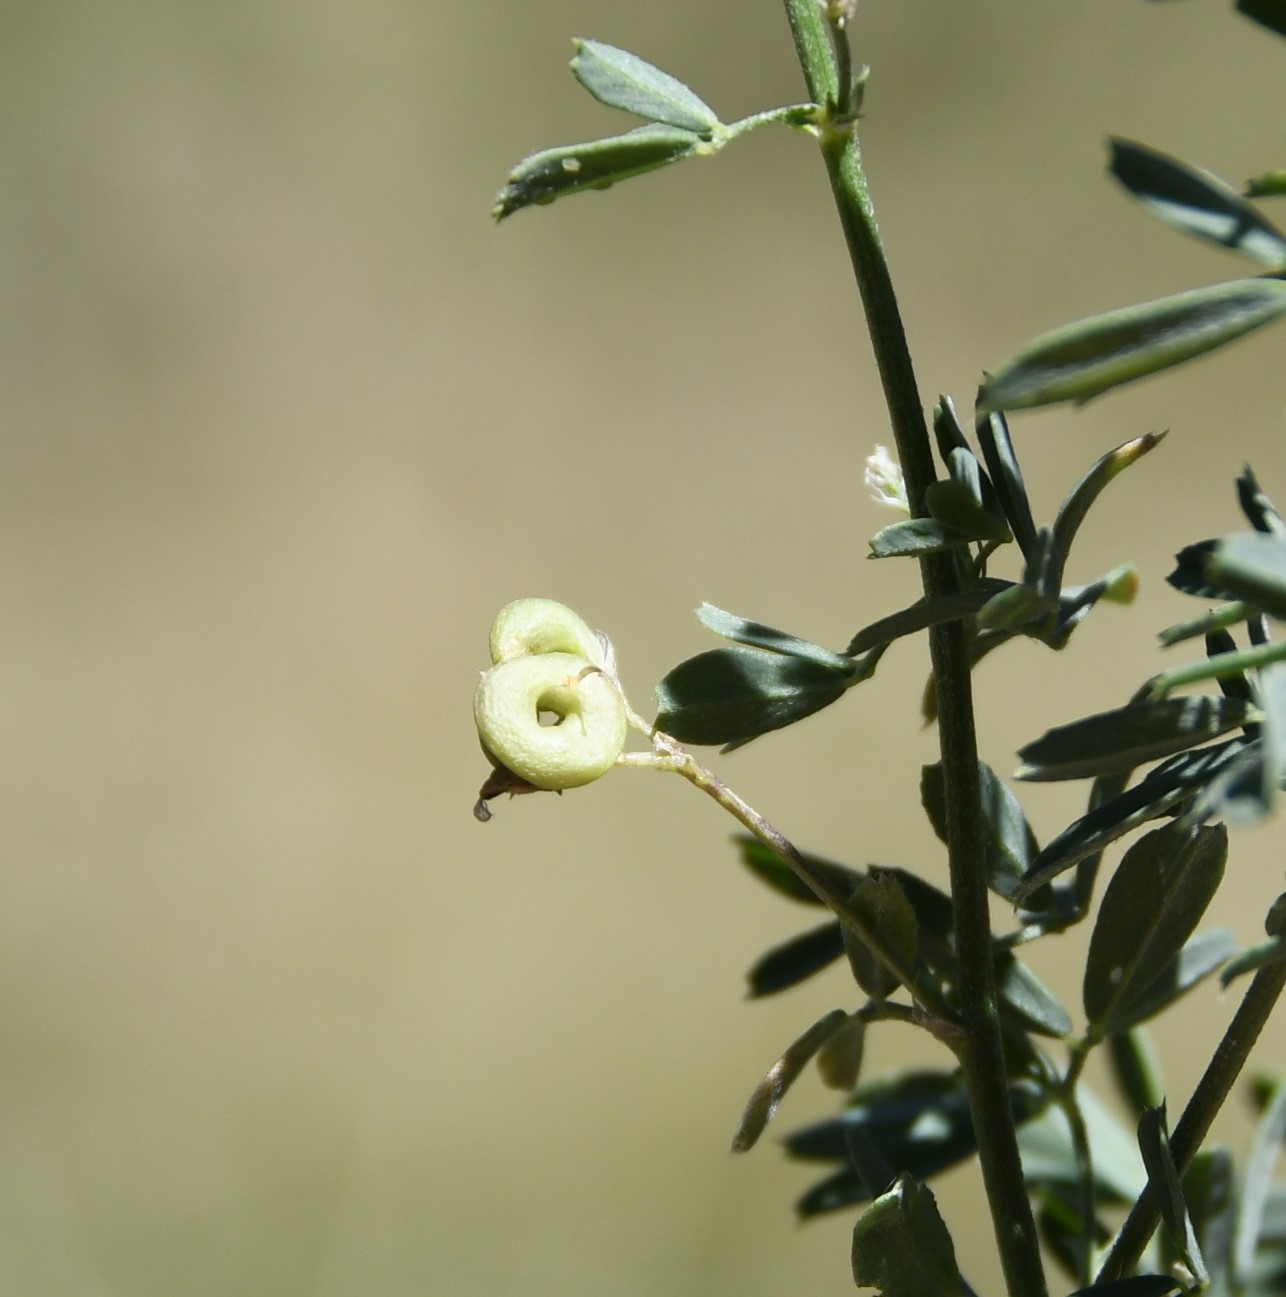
pixel 287 419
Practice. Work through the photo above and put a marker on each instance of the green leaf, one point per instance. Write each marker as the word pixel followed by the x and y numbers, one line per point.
pixel 1260 511
pixel 755 634
pixel 1050 1159
pixel 575 168
pixel 1156 898
pixel 1202 955
pixel 1272 184
pixel 1007 477
pixel 901 1245
pixel 1022 993
pixel 1008 841
pixel 780 1077
pixel 839 1061
pixel 796 960
pixel 733 695
pixel 1196 202
pixel 881 901
pixel 1131 736
pixel 771 869
pixel 922 614
pixel 1209 1189
pixel 947 431
pixel 1074 509
pixel 622 80
pixel 1258 1183
pixel 918 1122
pixel 1251 566
pixel 955 504
pixel 1268 13
pixel 1163 1176
pixel 915 536
pixel 1081 360
pixel 1152 796
pixel 1135 1069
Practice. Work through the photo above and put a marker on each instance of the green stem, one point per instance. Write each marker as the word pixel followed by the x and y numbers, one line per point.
pixel 1207 1099
pixel 1218 667
pixel 670 757
pixel 982 1057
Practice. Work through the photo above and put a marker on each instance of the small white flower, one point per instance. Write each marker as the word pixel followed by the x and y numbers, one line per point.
pixel 884 477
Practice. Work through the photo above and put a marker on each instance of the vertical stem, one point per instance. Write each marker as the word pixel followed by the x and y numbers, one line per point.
pixel 1207 1099
pixel 982 1058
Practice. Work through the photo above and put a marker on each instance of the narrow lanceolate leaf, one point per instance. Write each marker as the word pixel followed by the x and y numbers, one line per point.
pixel 1081 360
pixel 1008 841
pixel 1196 202
pixel 796 960
pixel 1251 566
pixel 730 696
pixel 1135 1069
pixel 1163 1175
pixel 913 537
pixel 620 79
pixel 902 1247
pixel 1157 896
pixel 922 614
pixel 1007 477
pixel 1131 736
pixel 574 168
pixel 1268 13
pixel 756 635
pixel 1210 1190
pixel 1121 813
pixel 771 869
pixel 1260 511
pixel 781 1076
pixel 1073 510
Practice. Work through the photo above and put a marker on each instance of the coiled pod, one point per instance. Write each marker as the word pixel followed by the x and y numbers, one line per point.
pixel 548 663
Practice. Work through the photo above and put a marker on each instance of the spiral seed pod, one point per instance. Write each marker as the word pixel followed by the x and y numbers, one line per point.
pixel 531 626
pixel 549 665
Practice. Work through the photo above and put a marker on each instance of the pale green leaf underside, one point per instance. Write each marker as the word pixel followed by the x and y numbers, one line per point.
pixel 1081 360
pixel 622 80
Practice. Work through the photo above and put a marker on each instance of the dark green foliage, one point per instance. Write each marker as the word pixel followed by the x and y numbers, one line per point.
pixel 1269 13
pixel 730 696
pixel 918 1122
pixel 1190 760
pixel 1196 202
pixel 1154 902
pixel 1163 1176
pixel 1117 742
pixel 599 164
pixel 796 960
pixel 901 1245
